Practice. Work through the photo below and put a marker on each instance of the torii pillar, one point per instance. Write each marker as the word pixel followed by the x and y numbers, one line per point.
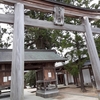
pixel 17 72
pixel 93 54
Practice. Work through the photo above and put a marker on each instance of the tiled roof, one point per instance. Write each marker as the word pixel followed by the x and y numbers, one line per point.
pixel 32 56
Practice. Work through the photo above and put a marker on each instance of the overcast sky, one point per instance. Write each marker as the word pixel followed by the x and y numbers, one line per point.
pixel 95 1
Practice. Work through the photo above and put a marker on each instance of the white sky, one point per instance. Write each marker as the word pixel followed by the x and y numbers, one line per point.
pixel 95 1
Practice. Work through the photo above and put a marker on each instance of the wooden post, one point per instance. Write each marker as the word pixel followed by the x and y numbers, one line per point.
pixel 93 54
pixel 0 29
pixel 57 78
pixel 65 78
pixel 17 74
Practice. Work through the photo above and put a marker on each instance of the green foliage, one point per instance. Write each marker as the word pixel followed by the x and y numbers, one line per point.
pixel 30 78
pixel 5 43
pixel 40 38
pixel 76 54
pixel 95 6
pixel 72 69
pixel 75 43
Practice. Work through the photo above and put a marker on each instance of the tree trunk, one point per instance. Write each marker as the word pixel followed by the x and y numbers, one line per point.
pixel 82 80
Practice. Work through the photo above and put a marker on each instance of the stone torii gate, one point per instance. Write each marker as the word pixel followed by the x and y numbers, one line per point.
pixel 60 10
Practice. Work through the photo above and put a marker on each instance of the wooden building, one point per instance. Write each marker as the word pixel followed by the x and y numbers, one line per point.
pixel 62 75
pixel 41 60
pixel 5 76
pixel 88 74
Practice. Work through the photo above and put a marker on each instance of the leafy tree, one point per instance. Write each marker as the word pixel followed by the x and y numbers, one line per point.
pixel 5 33
pixel 76 44
pixel 76 56
pixel 6 42
pixel 30 78
pixel 40 38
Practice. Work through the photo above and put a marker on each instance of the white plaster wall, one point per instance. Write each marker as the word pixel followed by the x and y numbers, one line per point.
pixel 70 78
pixel 86 76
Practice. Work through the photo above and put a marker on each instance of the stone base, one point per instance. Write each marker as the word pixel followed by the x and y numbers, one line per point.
pixel 47 94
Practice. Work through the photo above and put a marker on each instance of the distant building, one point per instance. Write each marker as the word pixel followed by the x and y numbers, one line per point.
pixel 41 60
pixel 88 74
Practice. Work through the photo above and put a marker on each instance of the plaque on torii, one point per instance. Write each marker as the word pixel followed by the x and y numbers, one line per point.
pixel 58 15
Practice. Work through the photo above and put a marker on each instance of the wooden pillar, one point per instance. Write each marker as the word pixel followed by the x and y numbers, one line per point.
pixel 17 73
pixel 93 54
pixel 65 78
pixel 57 78
pixel 0 29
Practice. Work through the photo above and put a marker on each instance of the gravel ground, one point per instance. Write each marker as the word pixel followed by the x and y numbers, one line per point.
pixel 69 93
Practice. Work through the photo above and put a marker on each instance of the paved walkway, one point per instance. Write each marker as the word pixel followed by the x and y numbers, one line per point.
pixel 64 94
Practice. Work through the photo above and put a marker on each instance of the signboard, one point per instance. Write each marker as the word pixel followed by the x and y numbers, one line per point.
pixel 5 79
pixel 9 78
pixel 49 74
pixel 58 15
